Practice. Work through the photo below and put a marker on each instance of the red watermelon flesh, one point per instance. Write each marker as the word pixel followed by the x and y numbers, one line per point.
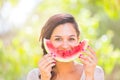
pixel 65 55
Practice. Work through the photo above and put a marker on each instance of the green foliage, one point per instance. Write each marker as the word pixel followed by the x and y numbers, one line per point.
pixel 13 2
pixel 1 3
pixel 17 58
pixel 24 52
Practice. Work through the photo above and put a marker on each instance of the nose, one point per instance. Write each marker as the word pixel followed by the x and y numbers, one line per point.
pixel 65 45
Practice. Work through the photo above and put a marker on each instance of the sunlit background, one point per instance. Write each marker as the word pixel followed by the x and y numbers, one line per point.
pixel 22 20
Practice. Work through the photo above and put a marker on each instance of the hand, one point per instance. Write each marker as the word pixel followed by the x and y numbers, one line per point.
pixel 45 66
pixel 89 61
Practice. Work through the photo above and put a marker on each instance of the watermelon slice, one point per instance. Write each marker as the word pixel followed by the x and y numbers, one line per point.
pixel 65 55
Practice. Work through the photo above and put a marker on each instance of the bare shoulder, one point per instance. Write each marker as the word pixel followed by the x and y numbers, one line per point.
pixel 33 74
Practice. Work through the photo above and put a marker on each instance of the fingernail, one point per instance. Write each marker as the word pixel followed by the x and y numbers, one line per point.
pixel 54 55
pixel 54 62
pixel 83 49
pixel 80 55
pixel 51 53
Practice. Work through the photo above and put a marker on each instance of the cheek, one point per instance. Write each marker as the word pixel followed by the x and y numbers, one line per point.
pixel 59 44
pixel 74 43
pixel 56 44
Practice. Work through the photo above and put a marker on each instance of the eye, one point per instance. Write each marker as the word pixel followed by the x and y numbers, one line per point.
pixel 71 39
pixel 58 39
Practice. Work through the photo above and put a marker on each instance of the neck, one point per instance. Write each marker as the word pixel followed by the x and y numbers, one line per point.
pixel 65 68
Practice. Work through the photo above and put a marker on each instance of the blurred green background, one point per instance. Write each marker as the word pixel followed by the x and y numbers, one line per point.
pixel 22 20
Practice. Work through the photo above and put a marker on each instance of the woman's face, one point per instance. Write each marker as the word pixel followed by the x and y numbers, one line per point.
pixel 64 37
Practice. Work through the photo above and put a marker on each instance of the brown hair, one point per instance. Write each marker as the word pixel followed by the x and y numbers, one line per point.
pixel 51 24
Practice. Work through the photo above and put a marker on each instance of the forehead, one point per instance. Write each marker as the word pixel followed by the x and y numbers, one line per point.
pixel 64 30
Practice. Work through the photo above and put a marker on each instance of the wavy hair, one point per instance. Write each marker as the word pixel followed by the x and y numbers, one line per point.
pixel 48 28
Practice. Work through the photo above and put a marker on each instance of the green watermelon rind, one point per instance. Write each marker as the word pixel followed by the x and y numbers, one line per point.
pixel 70 58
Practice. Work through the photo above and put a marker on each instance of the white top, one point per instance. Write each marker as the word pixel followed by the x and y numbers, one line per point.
pixel 99 74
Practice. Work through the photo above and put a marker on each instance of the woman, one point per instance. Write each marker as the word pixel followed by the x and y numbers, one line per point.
pixel 62 30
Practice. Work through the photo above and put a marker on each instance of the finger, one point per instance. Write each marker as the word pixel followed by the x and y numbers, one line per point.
pixel 84 59
pixel 49 60
pixel 46 62
pixel 87 61
pixel 49 67
pixel 91 50
pixel 91 61
pixel 46 57
pixel 90 55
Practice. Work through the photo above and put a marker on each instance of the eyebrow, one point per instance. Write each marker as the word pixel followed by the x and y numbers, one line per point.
pixel 60 36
